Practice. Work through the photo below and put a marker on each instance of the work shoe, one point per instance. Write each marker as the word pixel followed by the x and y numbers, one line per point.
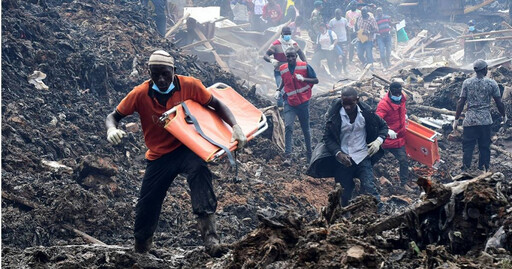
pixel 143 247
pixel 287 162
pixel 211 240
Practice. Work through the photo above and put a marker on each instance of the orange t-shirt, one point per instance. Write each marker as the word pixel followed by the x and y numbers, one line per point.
pixel 158 140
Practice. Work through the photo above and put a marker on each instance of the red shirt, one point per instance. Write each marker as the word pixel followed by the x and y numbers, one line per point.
pixel 158 140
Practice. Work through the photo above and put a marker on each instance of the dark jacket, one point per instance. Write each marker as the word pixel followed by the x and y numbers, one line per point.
pixel 323 162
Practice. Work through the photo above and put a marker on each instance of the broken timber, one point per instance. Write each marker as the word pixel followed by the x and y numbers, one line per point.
pixel 177 25
pixel 219 60
pixel 434 109
pixel 274 37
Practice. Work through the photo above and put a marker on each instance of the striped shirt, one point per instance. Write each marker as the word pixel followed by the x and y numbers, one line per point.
pixel 383 23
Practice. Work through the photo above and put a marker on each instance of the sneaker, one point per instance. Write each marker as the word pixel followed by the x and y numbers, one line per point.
pixel 287 162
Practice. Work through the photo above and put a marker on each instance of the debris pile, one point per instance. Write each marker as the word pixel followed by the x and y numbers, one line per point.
pixel 68 196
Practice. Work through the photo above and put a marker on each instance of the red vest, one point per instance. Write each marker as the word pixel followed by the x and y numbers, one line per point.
pixel 297 92
pixel 279 53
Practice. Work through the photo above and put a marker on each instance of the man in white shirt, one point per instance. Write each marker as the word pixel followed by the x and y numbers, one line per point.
pixel 339 25
pixel 351 144
pixel 325 49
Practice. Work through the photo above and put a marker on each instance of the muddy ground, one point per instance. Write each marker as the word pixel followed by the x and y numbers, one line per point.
pixel 59 173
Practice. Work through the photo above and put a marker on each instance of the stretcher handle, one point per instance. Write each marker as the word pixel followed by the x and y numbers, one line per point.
pixel 262 126
pixel 217 84
pixel 431 139
pixel 167 113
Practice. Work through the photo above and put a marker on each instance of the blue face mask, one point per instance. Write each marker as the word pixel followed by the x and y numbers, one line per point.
pixel 471 28
pixel 396 98
pixel 171 87
pixel 287 37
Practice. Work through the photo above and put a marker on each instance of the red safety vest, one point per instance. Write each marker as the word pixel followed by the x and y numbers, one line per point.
pixel 297 92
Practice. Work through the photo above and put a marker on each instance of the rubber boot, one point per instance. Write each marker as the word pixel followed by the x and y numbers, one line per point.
pixel 143 246
pixel 211 240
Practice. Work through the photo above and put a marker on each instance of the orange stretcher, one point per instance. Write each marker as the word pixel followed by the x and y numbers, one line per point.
pixel 421 144
pixel 204 132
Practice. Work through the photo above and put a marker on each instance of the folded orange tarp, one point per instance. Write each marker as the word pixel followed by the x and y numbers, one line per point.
pixel 250 119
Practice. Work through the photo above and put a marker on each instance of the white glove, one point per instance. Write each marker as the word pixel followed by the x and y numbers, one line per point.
pixel 392 134
pixel 277 95
pixel 115 135
pixel 374 146
pixel 504 120
pixel 299 77
pixel 274 62
pixel 454 124
pixel 238 135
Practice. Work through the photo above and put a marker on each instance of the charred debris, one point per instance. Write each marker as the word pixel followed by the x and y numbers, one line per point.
pixel 68 196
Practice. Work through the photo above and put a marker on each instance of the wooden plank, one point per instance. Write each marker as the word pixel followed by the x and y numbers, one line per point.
pixel 274 37
pixel 413 41
pixel 489 39
pixel 476 7
pixel 194 44
pixel 176 26
pixel 237 26
pixel 487 33
pixel 425 44
pixel 209 46
pixel 85 236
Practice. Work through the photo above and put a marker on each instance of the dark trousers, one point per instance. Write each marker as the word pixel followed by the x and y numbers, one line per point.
pixel 472 135
pixel 159 175
pixel 401 157
pixel 302 112
pixel 345 176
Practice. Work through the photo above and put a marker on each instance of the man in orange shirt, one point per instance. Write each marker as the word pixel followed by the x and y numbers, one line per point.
pixel 166 156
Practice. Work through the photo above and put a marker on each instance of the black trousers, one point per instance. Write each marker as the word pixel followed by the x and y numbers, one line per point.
pixel 159 175
pixel 480 134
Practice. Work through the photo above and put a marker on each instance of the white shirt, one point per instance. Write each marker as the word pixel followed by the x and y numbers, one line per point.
pixel 339 27
pixel 258 6
pixel 353 136
pixel 325 40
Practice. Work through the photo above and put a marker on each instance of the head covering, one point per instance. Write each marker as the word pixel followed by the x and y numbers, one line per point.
pixel 318 3
pixel 395 85
pixel 471 22
pixel 479 65
pixel 379 9
pixel 287 30
pixel 290 50
pixel 161 57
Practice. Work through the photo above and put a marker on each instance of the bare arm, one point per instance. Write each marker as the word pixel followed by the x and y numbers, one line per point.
pixel 223 111
pixel 113 119
pixel 302 56
pixel 500 105
pixel 460 106
pixel 266 57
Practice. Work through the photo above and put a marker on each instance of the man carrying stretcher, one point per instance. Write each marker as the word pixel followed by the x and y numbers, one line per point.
pixel 166 155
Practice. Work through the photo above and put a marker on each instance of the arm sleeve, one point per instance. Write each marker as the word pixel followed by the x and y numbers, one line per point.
pixel 128 105
pixel 311 72
pixel 495 92
pixel 381 111
pixel 383 127
pixel 329 138
pixel 199 93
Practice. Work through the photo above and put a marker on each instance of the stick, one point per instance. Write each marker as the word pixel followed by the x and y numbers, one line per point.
pixel 237 26
pixel 85 236
pixel 489 39
pixel 487 33
pixel 433 109
pixel 274 37
pixel 476 7
pixel 177 25
pixel 193 44
pixel 19 200
pixel 501 150
pixel 209 46
pixel 364 72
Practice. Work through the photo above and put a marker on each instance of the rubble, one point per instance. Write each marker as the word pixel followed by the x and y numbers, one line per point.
pixel 68 196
